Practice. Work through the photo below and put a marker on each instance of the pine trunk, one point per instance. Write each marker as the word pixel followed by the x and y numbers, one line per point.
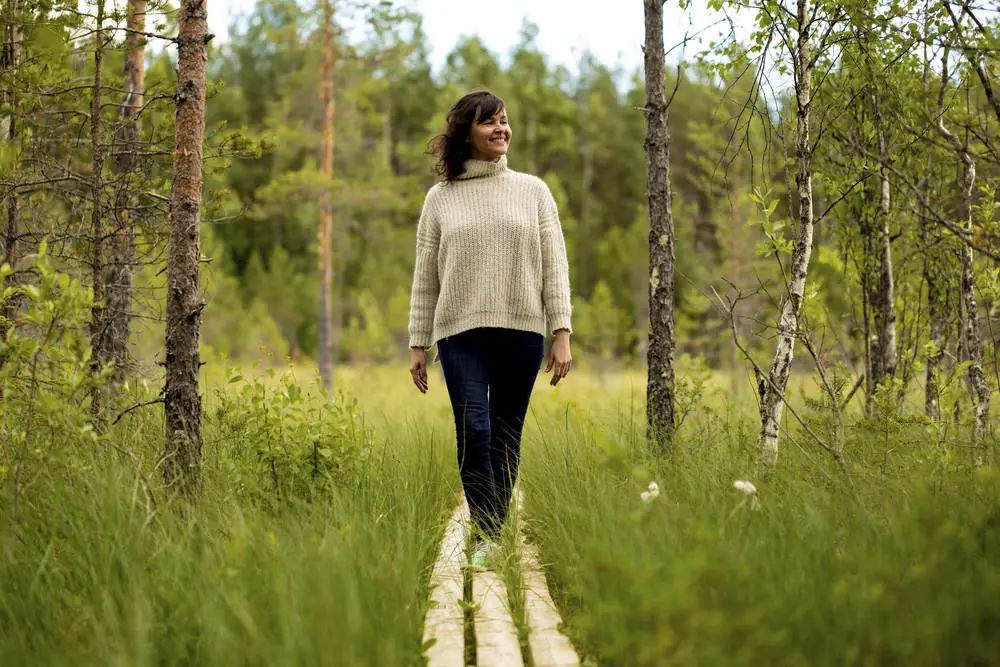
pixel 118 275
pixel 660 354
pixel 326 215
pixel 10 60
pixel 182 401
pixel 773 388
pixel 98 354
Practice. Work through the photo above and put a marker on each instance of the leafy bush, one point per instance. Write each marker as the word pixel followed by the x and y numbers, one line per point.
pixel 284 441
pixel 46 378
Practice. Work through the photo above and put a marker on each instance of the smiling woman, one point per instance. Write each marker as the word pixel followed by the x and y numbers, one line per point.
pixel 489 137
pixel 491 280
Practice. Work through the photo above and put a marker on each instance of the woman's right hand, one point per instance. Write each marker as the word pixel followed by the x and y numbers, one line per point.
pixel 418 368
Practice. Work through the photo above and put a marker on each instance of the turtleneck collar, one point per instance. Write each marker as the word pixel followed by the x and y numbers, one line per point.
pixel 480 168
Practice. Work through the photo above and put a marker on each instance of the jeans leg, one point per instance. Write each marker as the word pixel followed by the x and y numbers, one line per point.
pixel 466 373
pixel 513 380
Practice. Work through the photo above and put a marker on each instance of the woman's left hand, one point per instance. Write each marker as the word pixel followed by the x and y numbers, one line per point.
pixel 560 358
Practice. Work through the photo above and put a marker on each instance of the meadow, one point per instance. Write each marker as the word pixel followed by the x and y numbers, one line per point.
pixel 319 519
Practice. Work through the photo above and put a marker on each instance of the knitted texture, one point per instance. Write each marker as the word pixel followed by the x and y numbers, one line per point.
pixel 490 253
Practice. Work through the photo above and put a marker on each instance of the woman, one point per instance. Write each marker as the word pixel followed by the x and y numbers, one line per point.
pixel 491 280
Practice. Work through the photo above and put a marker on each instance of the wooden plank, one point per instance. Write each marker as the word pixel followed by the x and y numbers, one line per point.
pixel 496 637
pixel 445 622
pixel 549 646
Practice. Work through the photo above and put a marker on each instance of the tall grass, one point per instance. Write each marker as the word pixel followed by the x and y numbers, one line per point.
pixel 319 519
pixel 898 565
pixel 101 567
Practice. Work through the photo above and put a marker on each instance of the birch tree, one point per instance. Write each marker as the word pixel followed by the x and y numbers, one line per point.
pixel 883 295
pixel 796 32
pixel 660 353
pixel 970 336
pixel 182 400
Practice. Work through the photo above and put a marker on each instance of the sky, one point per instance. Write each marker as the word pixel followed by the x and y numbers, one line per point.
pixel 611 29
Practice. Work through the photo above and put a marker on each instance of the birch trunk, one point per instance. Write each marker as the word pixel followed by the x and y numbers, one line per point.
pixel 326 215
pixel 970 336
pixel 660 354
pixel 118 275
pixel 182 401
pixel 885 358
pixel 772 390
pixel 936 316
pixel 933 277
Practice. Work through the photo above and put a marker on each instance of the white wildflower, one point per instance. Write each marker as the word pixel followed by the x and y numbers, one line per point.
pixel 750 491
pixel 652 491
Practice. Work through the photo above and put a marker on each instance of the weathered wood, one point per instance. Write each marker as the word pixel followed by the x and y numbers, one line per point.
pixel 549 646
pixel 496 637
pixel 444 624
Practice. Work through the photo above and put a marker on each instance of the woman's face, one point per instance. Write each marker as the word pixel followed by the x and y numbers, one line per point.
pixel 490 137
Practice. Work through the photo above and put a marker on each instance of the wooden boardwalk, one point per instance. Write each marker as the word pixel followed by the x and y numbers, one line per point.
pixel 496 638
pixel 445 620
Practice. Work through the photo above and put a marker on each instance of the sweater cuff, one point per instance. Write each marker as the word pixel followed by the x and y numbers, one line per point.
pixel 421 340
pixel 559 321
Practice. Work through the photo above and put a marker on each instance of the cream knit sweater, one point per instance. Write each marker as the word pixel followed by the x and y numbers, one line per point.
pixel 490 253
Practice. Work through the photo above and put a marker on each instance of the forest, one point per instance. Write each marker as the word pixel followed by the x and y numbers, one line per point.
pixel 778 442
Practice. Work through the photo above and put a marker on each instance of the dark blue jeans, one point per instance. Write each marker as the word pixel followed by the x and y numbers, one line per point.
pixel 490 373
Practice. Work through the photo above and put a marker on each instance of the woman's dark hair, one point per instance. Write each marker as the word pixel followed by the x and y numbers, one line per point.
pixel 450 147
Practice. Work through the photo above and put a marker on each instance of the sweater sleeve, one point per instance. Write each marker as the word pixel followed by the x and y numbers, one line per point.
pixel 555 266
pixel 424 293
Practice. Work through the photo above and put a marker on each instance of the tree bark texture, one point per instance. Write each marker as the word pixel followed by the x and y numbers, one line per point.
pixel 772 390
pixel 10 61
pixel 326 214
pixel 885 359
pixel 970 337
pixel 936 318
pixel 182 400
pixel 118 272
pixel 98 355
pixel 660 353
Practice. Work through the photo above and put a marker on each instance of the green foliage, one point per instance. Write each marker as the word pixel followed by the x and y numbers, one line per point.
pixel 46 378
pixel 565 124
pixel 775 242
pixel 605 326
pixel 102 567
pixel 288 444
pixel 822 573
pixel 368 335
